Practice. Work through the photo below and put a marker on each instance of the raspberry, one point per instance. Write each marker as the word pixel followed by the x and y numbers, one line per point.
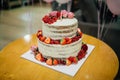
pixel 46 19
pixel 58 14
pixel 71 58
pixel 81 54
pixel 75 38
pixel 56 41
pixel 85 47
pixel 62 62
pixel 51 42
pixel 54 18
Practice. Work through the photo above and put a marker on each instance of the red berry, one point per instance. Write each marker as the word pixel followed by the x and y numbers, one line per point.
pixel 54 18
pixel 47 40
pixel 42 38
pixel 68 62
pixel 51 42
pixel 39 57
pixel 71 58
pixel 68 40
pixel 62 62
pixel 63 41
pixel 58 14
pixel 56 41
pixel 85 47
pixel 79 57
pixel 75 60
pixel 75 38
pixel 39 33
pixel 46 19
pixel 81 54
pixel 49 61
pixel 45 59
pixel 55 61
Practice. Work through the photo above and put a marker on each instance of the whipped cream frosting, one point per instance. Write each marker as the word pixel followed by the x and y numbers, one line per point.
pixel 60 28
pixel 60 51
pixel 64 22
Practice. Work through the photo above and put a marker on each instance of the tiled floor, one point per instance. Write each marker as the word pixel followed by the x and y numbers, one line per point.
pixel 17 22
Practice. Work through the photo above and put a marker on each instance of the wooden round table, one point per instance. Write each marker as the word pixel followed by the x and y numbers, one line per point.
pixel 102 64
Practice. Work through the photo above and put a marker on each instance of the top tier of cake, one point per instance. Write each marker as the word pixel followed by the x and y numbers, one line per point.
pixel 60 29
pixel 59 25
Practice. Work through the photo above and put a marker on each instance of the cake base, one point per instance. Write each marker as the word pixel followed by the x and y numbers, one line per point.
pixel 69 70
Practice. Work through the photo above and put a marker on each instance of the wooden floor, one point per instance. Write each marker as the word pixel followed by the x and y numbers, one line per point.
pixel 20 21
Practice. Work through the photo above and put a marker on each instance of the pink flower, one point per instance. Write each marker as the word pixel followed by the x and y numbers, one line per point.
pixel 53 13
pixel 64 13
pixel 70 15
pixel 33 48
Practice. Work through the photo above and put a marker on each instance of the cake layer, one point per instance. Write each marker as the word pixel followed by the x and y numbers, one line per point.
pixel 60 51
pixel 60 29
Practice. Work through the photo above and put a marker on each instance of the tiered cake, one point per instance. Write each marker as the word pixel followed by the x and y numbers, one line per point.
pixel 60 40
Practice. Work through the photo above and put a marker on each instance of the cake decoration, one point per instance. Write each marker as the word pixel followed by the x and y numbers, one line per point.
pixel 55 15
pixel 63 41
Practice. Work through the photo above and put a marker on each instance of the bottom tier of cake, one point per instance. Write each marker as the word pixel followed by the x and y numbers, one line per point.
pixel 60 51
pixel 61 61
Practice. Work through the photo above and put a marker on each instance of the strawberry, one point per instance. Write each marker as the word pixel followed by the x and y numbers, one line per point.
pixel 63 41
pixel 42 38
pixel 49 61
pixel 68 62
pixel 39 57
pixel 47 40
pixel 55 61
pixel 68 40
pixel 39 33
pixel 71 58
pixel 75 60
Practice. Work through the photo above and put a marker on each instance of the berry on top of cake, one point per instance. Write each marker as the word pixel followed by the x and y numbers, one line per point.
pixel 56 15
